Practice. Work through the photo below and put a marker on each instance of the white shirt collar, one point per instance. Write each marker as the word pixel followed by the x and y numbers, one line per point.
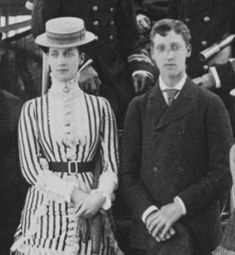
pixel 178 86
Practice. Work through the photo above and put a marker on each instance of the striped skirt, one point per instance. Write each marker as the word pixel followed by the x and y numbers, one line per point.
pixel 49 227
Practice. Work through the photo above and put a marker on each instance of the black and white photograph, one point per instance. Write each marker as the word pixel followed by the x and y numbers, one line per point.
pixel 117 127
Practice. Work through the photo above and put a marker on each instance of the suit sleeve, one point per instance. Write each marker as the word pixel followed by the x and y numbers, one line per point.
pixel 217 182
pixel 226 75
pixel 132 188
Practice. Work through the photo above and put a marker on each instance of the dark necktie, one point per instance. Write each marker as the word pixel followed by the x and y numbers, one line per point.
pixel 171 93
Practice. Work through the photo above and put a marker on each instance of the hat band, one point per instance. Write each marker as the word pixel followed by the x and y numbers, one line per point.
pixel 67 38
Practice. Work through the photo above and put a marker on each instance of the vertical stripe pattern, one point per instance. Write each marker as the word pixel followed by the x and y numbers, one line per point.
pixel 57 232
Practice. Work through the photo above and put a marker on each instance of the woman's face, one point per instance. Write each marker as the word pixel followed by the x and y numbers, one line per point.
pixel 64 63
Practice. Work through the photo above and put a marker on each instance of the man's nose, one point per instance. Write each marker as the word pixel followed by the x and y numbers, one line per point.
pixel 170 53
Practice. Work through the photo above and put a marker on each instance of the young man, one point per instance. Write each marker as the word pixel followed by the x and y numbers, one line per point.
pixel 174 162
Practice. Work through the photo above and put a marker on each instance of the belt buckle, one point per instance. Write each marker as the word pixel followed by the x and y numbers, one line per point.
pixel 70 170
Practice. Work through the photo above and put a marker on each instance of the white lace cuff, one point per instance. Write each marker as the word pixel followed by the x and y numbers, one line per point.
pixel 108 198
pixel 107 184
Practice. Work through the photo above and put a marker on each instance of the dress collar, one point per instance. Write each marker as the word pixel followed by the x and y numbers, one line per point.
pixel 61 88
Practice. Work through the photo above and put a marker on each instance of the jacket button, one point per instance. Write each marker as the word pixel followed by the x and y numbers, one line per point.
pixel 111 37
pixel 95 8
pixel 96 23
pixel 187 20
pixel 181 170
pixel 206 19
pixel 111 22
pixel 204 43
pixel 155 169
pixel 180 132
pixel 156 132
pixel 111 9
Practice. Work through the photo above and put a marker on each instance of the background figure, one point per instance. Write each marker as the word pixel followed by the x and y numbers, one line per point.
pixel 209 22
pixel 175 155
pixel 12 185
pixel 149 11
pixel 227 244
pixel 115 25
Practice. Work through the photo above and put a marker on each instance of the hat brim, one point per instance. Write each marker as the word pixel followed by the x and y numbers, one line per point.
pixel 42 40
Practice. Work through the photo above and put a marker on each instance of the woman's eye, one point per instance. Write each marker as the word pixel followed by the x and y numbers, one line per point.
pixel 69 54
pixel 54 54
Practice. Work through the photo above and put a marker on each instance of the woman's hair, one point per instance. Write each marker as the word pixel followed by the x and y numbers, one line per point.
pixel 80 49
pixel 164 26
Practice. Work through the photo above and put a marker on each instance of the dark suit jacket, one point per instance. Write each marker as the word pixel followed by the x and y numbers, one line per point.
pixel 178 151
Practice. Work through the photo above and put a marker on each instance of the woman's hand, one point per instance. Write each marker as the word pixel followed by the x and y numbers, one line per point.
pixel 91 205
pixel 78 196
pixel 87 204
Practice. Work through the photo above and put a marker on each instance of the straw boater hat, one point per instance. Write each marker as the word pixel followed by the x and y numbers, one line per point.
pixel 65 32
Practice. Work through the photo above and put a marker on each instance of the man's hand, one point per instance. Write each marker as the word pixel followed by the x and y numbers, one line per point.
pixel 142 82
pixel 89 80
pixel 143 23
pixel 152 223
pixel 206 81
pixel 164 219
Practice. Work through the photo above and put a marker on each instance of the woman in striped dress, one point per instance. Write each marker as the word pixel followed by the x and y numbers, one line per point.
pixel 60 134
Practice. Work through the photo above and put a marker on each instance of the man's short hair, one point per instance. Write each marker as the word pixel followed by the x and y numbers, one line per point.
pixel 164 26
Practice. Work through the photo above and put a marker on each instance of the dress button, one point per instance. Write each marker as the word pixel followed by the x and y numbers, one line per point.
pixel 204 43
pixel 95 8
pixel 96 23
pixel 111 9
pixel 155 169
pixel 111 37
pixel 187 20
pixel 206 19
pixel 111 22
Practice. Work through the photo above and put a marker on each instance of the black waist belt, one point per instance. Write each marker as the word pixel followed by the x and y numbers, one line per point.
pixel 72 167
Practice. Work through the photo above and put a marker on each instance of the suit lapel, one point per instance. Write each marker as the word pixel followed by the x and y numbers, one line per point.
pixel 180 106
pixel 156 107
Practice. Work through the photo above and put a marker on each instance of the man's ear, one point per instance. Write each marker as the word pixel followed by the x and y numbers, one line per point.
pixel 189 50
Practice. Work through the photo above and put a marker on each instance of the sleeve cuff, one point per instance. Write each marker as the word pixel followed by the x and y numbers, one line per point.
pixel 216 77
pixel 140 57
pixel 143 72
pixel 29 5
pixel 108 198
pixel 148 211
pixel 181 203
